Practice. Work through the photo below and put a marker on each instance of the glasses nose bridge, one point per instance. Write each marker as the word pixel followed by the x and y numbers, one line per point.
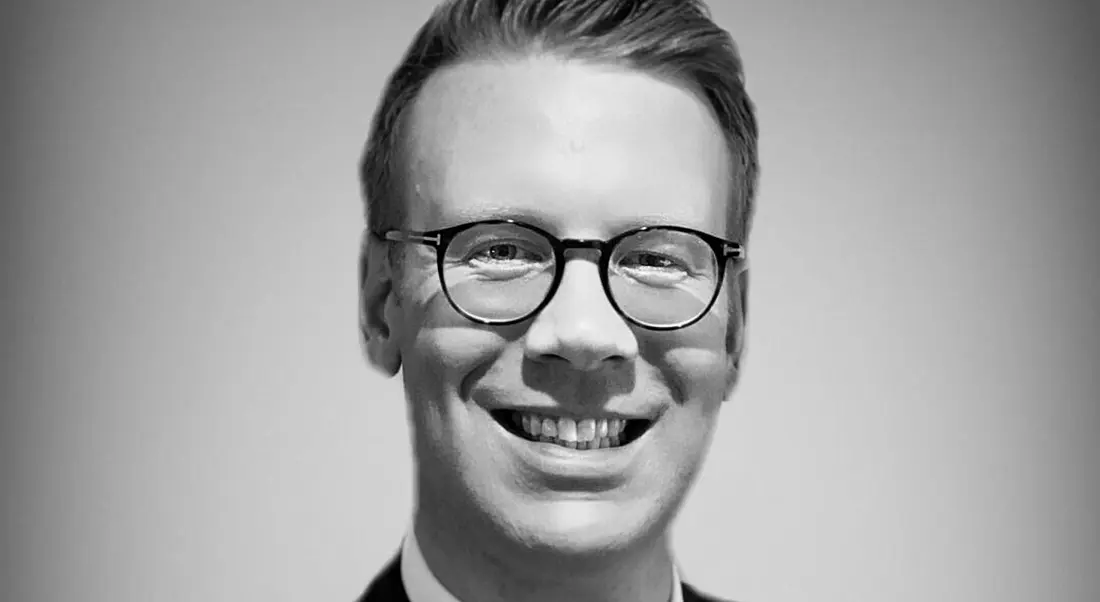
pixel 580 246
pixel 567 246
pixel 583 244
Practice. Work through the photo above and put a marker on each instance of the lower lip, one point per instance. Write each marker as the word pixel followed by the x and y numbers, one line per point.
pixel 566 467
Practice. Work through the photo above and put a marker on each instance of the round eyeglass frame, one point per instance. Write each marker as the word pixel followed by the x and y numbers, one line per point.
pixel 724 251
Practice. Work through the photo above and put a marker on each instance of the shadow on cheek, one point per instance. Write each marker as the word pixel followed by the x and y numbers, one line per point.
pixel 693 365
pixel 471 379
pixel 454 354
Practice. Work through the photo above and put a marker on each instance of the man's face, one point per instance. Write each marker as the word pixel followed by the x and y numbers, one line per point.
pixel 582 151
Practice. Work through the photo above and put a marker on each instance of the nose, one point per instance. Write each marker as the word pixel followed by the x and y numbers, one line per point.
pixel 579 325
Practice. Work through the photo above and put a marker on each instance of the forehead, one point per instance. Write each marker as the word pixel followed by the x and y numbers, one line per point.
pixel 572 146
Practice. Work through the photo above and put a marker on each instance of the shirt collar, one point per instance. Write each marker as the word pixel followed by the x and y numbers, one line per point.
pixel 422 586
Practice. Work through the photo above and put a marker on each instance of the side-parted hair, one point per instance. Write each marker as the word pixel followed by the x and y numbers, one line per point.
pixel 670 38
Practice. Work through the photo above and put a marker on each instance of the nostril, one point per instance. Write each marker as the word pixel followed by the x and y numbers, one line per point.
pixel 592 362
pixel 588 353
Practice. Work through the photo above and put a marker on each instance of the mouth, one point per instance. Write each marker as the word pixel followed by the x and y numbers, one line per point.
pixel 582 434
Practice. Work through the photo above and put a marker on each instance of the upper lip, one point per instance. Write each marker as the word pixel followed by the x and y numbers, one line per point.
pixel 494 401
pixel 600 414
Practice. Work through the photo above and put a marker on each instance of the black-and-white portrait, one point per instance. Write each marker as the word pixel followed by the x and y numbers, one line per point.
pixel 501 300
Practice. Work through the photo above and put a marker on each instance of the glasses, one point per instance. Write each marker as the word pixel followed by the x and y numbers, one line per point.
pixel 503 271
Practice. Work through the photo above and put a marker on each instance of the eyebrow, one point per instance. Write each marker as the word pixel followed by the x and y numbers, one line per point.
pixel 548 223
pixel 504 212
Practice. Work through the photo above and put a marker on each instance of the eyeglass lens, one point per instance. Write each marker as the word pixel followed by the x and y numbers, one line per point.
pixel 503 272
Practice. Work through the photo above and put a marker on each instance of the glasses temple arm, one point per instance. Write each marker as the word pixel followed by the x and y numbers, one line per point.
pixel 418 237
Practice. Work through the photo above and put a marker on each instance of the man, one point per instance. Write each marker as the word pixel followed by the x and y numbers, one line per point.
pixel 558 200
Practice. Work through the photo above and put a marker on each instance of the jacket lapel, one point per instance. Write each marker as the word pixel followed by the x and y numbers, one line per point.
pixel 693 595
pixel 387 586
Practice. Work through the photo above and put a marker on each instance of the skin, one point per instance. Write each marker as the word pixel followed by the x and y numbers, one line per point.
pixel 585 151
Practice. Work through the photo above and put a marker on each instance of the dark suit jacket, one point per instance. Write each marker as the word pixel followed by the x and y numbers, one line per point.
pixel 387 587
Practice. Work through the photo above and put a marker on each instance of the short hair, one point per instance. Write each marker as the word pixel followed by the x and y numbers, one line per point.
pixel 670 38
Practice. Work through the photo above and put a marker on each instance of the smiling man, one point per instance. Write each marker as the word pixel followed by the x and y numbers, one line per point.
pixel 558 198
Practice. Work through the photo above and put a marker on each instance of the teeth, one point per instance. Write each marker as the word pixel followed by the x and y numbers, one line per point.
pixel 586 430
pixel 585 434
pixel 567 430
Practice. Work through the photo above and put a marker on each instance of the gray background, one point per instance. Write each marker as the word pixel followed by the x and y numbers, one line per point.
pixel 187 415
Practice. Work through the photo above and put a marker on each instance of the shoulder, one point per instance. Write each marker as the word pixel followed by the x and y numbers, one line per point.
pixel 387 585
pixel 693 595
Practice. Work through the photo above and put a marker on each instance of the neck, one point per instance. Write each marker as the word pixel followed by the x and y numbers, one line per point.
pixel 470 568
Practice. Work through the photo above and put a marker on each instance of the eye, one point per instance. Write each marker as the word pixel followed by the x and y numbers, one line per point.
pixel 652 261
pixel 504 252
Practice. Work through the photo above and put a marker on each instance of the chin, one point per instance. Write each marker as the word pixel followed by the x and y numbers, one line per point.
pixel 581 528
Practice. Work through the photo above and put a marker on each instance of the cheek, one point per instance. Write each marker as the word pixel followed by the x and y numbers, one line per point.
pixel 694 362
pixel 439 364
pixel 698 375
pixel 440 348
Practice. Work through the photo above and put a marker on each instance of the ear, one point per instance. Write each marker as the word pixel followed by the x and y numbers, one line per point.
pixel 735 331
pixel 375 298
